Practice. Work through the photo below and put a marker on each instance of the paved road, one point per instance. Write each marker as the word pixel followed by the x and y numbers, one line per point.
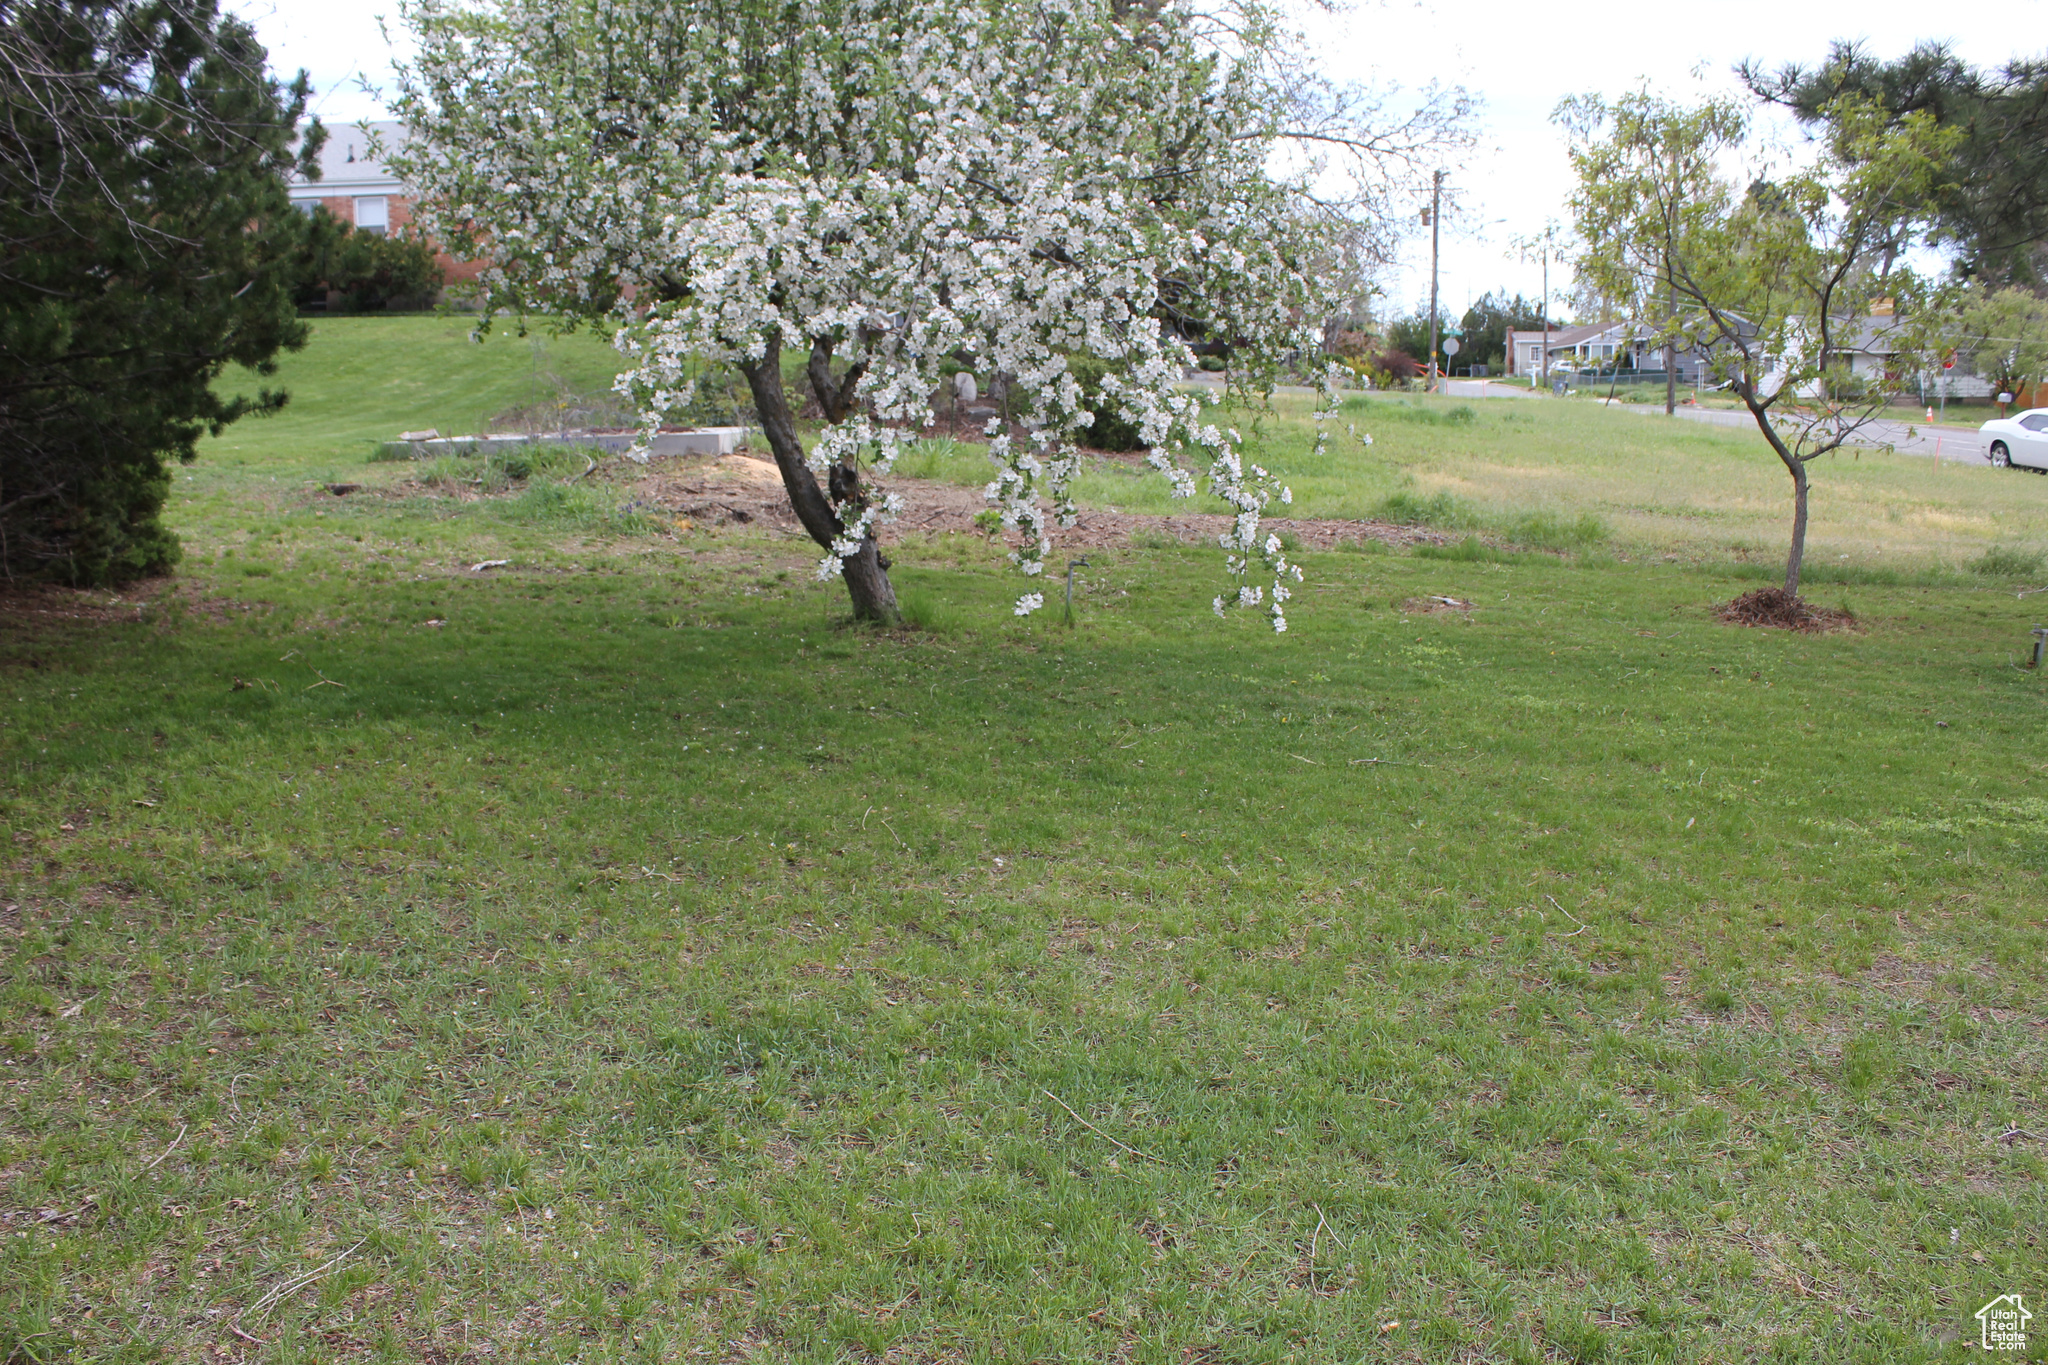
pixel 1907 438
pixel 1486 388
pixel 1959 445
pixel 1963 446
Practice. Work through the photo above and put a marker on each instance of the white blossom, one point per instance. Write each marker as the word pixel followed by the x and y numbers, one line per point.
pixel 902 182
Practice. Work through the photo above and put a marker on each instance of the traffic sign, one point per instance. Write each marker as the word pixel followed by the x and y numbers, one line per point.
pixel 1450 345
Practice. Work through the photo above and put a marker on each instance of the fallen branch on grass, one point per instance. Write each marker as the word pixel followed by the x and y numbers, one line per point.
pixel 1123 1146
pixel 291 1287
pixel 1570 916
pixel 168 1150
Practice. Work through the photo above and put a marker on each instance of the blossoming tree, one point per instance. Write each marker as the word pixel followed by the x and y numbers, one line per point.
pixel 882 186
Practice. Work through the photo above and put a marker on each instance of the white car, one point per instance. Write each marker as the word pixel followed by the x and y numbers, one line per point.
pixel 2019 441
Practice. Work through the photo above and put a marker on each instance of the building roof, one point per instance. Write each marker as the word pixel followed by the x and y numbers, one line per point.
pixel 1575 335
pixel 347 166
pixel 1870 336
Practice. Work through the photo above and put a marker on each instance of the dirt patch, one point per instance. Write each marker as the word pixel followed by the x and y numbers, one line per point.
pixel 42 615
pixel 737 489
pixel 745 490
pixel 731 490
pixel 29 606
pixel 1424 606
pixel 1776 608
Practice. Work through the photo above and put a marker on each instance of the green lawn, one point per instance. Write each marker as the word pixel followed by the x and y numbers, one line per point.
pixel 620 956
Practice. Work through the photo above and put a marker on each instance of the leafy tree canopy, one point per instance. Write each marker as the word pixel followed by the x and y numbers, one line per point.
pixel 1990 200
pixel 146 244
pixel 1409 336
pixel 1486 325
pixel 2004 334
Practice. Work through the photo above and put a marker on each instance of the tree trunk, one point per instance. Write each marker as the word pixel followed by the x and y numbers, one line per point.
pixel 1798 553
pixel 1794 466
pixel 1671 355
pixel 867 576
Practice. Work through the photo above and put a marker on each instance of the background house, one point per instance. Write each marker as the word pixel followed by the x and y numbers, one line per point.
pixel 356 187
pixel 1594 347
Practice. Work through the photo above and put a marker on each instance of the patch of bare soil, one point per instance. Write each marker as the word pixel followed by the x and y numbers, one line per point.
pixel 1425 606
pixel 744 490
pixel 1776 608
pixel 34 615
pixel 730 490
pixel 28 606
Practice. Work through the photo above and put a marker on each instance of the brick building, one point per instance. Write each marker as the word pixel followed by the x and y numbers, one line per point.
pixel 356 187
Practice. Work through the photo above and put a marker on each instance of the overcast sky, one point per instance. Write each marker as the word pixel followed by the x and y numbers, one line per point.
pixel 1520 59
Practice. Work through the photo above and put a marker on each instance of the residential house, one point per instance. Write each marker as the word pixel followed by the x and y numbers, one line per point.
pixel 1871 352
pixel 1866 342
pixel 356 187
pixel 1594 347
pixel 1870 347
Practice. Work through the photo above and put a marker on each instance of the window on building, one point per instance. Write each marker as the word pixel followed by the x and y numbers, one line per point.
pixel 373 214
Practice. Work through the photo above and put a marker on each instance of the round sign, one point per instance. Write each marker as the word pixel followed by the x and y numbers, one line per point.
pixel 1450 345
pixel 1949 364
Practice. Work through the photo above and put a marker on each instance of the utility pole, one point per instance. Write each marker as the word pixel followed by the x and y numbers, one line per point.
pixel 1546 312
pixel 1436 190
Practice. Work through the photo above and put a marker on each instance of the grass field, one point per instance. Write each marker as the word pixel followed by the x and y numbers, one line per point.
pixel 619 956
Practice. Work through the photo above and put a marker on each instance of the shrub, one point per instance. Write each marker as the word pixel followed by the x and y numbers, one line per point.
pixel 1393 370
pixel 2002 561
pixel 361 272
pixel 1442 511
pixel 1110 430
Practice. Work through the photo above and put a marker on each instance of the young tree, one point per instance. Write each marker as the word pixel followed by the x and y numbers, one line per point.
pixel 1775 282
pixel 883 186
pixel 2004 332
pixel 146 243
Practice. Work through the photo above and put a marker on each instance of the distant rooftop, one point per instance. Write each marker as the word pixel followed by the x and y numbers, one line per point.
pixel 347 166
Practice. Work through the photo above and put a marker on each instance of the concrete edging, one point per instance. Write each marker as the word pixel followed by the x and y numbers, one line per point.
pixel 705 441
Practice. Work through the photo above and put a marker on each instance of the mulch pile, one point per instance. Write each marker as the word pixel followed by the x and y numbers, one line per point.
pixel 1780 609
